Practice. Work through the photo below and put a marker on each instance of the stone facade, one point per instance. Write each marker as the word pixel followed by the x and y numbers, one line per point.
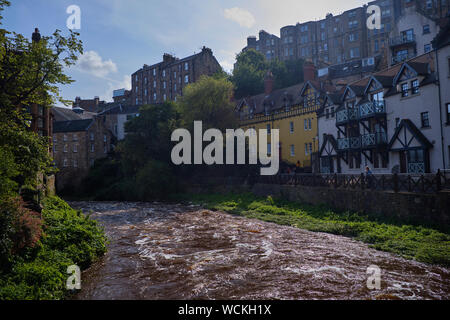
pixel 90 105
pixel 76 146
pixel 344 37
pixel 165 81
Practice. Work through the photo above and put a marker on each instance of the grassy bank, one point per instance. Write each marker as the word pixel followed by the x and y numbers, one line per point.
pixel 412 242
pixel 69 238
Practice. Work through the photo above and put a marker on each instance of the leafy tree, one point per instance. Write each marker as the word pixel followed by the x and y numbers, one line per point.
pixel 30 73
pixel 208 100
pixel 248 73
pixel 251 68
pixel 148 136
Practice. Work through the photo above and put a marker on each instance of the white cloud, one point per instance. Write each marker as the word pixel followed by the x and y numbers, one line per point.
pixel 112 85
pixel 91 62
pixel 241 16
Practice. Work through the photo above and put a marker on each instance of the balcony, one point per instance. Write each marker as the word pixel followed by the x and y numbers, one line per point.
pixel 349 143
pixel 372 108
pixel 402 57
pixel 402 40
pixel 372 140
pixel 344 116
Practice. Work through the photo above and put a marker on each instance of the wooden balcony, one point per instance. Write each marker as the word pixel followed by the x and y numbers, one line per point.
pixel 372 109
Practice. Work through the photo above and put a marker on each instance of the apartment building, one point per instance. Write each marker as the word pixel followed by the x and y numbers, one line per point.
pixel 291 110
pixel 165 80
pixel 76 146
pixel 394 121
pixel 345 37
pixel 89 105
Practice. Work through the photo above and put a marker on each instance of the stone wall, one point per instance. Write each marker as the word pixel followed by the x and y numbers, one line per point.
pixel 409 208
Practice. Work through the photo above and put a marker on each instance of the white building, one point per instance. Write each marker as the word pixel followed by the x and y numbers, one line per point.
pixel 395 121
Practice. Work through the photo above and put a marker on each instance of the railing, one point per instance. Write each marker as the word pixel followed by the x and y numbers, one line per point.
pixel 425 183
pixel 372 108
pixel 292 112
pixel 346 115
pixel 416 167
pixel 403 39
pixel 373 139
pixel 349 143
pixel 402 57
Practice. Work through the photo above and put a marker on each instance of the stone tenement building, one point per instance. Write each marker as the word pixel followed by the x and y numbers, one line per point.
pixel 90 105
pixel 165 80
pixel 76 146
pixel 345 37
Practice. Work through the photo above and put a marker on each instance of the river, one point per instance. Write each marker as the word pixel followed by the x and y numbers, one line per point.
pixel 162 251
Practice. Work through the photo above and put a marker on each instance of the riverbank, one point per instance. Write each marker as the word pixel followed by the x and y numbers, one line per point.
pixel 69 238
pixel 411 242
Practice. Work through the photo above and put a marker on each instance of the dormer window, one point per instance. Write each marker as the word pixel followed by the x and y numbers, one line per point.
pixel 405 89
pixel 415 87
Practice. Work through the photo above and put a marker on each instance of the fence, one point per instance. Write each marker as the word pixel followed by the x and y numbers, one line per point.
pixel 426 183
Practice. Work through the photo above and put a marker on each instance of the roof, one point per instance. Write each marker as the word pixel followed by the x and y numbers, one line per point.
pixel 118 108
pixel 66 114
pixel 414 130
pixel 72 126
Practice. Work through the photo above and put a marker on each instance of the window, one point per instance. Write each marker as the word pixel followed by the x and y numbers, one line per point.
pixel 426 29
pixel 310 148
pixel 292 150
pixel 65 148
pixel 75 148
pixel 137 100
pixel 92 147
pixel 92 136
pixel 175 75
pixel 310 124
pixel 75 137
pixel 75 163
pixel 448 113
pixel 186 66
pixel 105 139
pixel 186 79
pixel 427 48
pixel 397 122
pixel 154 72
pixel 306 149
pixel 145 92
pixel 105 149
pixel 175 87
pixel 165 97
pixel 405 90
pixel 291 127
pixel 65 137
pixel 65 163
pixel 268 129
pixel 425 119
pixel 154 84
pixel 164 85
pixel 164 73
pixel 415 87
pixel 154 96
pixel 376 46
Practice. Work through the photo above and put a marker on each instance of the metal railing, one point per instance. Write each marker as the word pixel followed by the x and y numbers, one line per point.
pixel 424 183
pixel 403 39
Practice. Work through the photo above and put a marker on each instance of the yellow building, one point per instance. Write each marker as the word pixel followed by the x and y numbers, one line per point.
pixel 293 111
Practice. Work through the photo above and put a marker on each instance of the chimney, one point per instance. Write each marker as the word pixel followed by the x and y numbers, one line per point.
pixel 251 42
pixel 268 83
pixel 96 100
pixel 36 37
pixel 309 71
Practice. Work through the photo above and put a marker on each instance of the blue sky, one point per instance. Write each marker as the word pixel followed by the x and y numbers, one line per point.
pixel 120 36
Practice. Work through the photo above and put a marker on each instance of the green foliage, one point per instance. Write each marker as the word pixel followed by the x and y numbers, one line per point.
pixel 251 68
pixel 412 242
pixel 70 238
pixel 155 180
pixel 208 100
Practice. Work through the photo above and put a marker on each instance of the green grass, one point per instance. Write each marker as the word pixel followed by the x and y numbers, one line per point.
pixel 70 238
pixel 412 242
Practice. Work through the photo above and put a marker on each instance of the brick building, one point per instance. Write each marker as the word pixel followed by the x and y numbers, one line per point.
pixel 76 146
pixel 90 105
pixel 165 80
pixel 122 95
pixel 344 37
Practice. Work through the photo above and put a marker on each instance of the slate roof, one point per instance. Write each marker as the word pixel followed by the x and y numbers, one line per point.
pixel 118 108
pixel 72 126
pixel 67 114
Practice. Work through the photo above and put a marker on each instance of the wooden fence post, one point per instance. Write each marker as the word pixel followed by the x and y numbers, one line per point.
pixel 438 181
pixel 395 180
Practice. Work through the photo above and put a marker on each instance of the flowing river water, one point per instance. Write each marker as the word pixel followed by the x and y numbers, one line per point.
pixel 161 251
